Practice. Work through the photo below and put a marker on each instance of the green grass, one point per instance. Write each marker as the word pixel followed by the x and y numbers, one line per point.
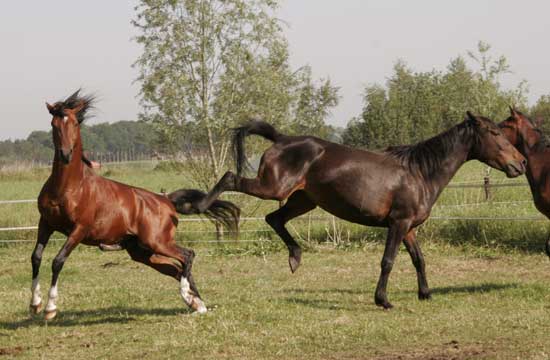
pixel 490 306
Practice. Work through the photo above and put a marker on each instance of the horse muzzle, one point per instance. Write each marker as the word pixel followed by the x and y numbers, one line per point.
pixel 66 155
pixel 515 168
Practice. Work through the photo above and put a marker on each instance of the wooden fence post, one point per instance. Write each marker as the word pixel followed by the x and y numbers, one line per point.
pixel 487 187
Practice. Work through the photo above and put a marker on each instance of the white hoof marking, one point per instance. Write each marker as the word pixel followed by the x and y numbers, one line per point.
pixel 36 299
pixel 52 297
pixel 190 299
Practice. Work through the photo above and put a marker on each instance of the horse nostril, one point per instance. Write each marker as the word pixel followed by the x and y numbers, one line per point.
pixel 524 163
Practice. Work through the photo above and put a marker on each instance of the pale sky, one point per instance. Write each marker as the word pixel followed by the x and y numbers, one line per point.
pixel 50 48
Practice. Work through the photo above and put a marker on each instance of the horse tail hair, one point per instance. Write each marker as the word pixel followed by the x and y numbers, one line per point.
pixel 224 212
pixel 253 127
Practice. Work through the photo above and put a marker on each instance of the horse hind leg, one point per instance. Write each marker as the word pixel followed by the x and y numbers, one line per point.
pixel 263 186
pixel 162 264
pixel 298 204
pixel 188 289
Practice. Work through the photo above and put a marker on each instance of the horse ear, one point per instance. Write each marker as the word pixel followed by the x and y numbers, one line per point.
pixel 50 107
pixel 513 111
pixel 472 119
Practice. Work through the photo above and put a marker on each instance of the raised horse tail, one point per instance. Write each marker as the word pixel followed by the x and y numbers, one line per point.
pixel 224 212
pixel 253 127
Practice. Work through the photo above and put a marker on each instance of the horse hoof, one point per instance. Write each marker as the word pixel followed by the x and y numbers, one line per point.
pixel 198 306
pixel 36 309
pixel 49 315
pixel 424 296
pixel 386 305
pixel 294 264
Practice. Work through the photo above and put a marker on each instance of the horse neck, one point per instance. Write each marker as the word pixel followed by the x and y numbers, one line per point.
pixel 449 168
pixel 533 163
pixel 452 159
pixel 68 176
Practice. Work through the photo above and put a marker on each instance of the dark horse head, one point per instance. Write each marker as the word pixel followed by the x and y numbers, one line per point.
pixel 493 148
pixel 67 117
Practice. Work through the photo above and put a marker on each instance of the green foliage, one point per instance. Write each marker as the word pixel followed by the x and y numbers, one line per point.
pixel 136 136
pixel 540 112
pixel 416 105
pixel 208 65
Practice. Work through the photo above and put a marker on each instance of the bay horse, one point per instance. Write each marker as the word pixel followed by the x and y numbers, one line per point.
pixel 96 211
pixel 532 144
pixel 395 188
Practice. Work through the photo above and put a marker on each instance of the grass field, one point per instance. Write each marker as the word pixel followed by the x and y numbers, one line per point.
pixel 489 279
pixel 494 305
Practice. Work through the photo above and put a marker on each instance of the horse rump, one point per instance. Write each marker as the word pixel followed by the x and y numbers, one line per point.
pixel 225 212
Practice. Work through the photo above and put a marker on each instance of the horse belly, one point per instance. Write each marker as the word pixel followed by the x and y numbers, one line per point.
pixel 371 211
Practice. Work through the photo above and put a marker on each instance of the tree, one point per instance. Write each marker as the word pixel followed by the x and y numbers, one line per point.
pixel 416 105
pixel 540 112
pixel 188 45
pixel 207 64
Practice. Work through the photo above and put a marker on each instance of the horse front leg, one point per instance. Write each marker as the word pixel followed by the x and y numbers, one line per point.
pixel 44 233
pixel 74 239
pixel 396 233
pixel 418 261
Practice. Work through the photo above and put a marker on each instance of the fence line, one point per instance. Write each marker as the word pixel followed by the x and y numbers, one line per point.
pixel 315 218
pixel 457 185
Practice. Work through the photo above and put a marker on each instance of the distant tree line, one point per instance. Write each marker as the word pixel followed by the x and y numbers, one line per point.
pixel 137 137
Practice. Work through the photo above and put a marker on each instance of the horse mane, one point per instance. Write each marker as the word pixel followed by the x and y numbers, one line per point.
pixel 428 156
pixel 543 141
pixel 73 101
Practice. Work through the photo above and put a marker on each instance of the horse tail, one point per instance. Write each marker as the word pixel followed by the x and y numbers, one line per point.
pixel 221 211
pixel 253 127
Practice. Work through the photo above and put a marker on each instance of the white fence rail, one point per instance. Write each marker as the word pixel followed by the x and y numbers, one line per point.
pixel 485 185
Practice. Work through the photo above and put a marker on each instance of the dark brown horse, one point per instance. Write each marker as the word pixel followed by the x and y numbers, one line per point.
pixel 394 189
pixel 95 211
pixel 532 144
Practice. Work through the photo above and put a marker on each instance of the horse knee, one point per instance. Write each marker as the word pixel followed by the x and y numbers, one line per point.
pixel 57 264
pixel 36 258
pixel 274 220
pixel 386 265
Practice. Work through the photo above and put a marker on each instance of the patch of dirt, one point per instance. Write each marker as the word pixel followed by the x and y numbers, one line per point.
pixel 16 350
pixel 449 351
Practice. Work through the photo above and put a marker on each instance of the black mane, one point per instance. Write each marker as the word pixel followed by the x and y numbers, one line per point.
pixel 73 101
pixel 427 156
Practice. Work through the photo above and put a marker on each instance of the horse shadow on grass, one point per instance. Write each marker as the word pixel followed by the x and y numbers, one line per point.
pixel 474 289
pixel 323 303
pixel 111 315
